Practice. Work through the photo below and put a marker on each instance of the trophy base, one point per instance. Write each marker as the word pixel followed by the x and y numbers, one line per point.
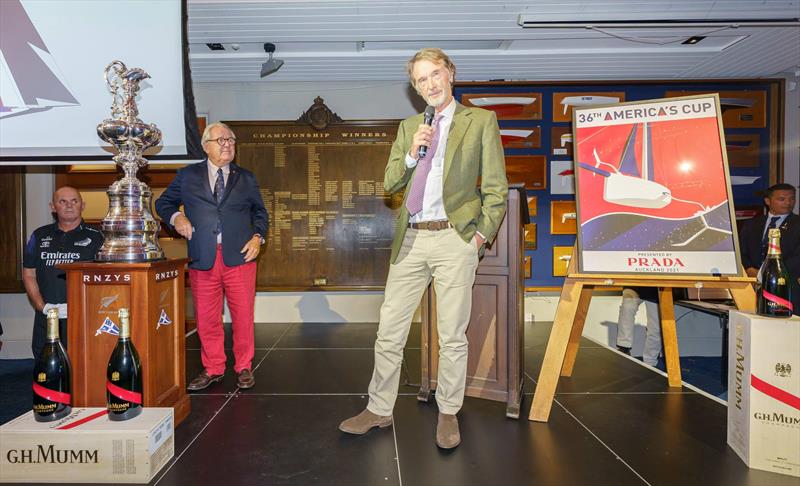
pixel 129 248
pixel 128 258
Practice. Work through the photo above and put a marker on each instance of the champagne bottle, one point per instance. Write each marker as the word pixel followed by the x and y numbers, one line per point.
pixel 774 286
pixel 124 376
pixel 52 398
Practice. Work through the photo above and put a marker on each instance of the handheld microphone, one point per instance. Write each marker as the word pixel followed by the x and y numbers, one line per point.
pixel 427 118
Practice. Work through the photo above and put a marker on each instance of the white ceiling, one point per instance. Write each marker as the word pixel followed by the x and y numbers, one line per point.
pixel 337 40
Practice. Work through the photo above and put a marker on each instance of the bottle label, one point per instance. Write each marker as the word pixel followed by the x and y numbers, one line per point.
pixel 123 394
pixel 777 300
pixel 52 395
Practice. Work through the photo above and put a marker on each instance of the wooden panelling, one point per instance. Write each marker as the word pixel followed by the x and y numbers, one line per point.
pixel 12 231
pixel 331 223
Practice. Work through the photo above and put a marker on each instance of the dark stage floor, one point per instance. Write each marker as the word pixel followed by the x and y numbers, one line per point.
pixel 615 422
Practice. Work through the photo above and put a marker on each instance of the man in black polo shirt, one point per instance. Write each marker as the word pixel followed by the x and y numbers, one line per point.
pixel 65 241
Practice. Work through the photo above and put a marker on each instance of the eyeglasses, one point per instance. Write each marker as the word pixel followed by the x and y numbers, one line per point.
pixel 224 141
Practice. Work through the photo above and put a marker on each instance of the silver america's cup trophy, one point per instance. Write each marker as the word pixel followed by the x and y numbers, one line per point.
pixel 131 232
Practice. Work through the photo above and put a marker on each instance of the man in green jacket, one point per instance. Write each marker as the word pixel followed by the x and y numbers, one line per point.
pixel 444 224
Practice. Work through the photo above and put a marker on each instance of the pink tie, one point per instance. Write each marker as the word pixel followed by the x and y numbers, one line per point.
pixel 415 197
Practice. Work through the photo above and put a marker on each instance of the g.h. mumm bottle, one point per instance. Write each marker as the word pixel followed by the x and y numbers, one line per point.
pixel 774 287
pixel 52 398
pixel 124 394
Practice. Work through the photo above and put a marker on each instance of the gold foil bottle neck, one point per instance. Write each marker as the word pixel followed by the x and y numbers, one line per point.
pixel 52 324
pixel 124 324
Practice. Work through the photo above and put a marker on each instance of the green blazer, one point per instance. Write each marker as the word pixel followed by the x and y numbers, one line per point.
pixel 473 153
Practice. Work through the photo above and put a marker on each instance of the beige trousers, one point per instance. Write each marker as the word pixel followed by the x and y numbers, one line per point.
pixel 451 263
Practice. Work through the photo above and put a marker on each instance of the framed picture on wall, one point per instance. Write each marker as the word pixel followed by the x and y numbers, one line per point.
pixel 530 236
pixel 561 141
pixel 521 137
pixel 532 203
pixel 562 177
pixel 508 106
pixel 744 150
pixel 527 169
pixel 564 103
pixel 563 218
pixel 527 264
pixel 561 258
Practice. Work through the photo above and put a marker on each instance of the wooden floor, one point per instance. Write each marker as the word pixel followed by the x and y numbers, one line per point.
pixel 614 422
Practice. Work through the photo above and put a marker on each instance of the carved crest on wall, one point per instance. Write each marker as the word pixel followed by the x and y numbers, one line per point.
pixel 319 116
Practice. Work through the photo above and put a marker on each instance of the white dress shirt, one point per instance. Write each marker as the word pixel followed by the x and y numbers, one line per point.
pixel 432 204
pixel 212 181
pixel 778 225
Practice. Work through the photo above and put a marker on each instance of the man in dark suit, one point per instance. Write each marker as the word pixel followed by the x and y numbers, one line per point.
pixel 780 199
pixel 446 219
pixel 224 221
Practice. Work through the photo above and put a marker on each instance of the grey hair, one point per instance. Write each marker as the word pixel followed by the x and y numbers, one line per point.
pixel 207 132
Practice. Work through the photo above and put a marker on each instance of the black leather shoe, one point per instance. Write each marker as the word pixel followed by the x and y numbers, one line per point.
pixel 246 379
pixel 203 380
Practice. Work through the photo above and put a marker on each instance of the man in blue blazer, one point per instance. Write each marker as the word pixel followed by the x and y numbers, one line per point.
pixel 780 200
pixel 225 222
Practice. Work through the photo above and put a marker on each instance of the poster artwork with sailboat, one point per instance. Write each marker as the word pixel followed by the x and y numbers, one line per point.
pixel 653 188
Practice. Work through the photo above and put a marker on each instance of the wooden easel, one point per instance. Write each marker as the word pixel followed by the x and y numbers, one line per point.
pixel 562 348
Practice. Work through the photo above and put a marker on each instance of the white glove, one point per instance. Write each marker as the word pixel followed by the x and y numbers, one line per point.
pixel 62 309
pixel 47 307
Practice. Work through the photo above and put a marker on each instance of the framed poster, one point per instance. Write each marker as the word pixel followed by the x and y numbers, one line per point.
pixel 653 190
pixel 507 106
pixel 562 177
pixel 526 266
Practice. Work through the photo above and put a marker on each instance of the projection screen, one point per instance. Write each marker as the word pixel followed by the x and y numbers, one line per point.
pixel 52 91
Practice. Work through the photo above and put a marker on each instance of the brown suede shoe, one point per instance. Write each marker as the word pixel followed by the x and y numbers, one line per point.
pixel 246 379
pixel 203 380
pixel 363 422
pixel 447 434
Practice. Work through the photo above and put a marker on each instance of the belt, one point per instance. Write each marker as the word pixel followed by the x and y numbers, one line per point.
pixel 431 225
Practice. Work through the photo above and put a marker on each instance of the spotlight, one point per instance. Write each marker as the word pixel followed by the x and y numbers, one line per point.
pixel 271 65
pixel 694 39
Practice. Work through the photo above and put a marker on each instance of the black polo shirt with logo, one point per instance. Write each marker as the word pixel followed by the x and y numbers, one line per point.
pixel 48 246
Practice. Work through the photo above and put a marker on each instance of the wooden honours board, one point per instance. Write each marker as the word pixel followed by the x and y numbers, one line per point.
pixel 331 224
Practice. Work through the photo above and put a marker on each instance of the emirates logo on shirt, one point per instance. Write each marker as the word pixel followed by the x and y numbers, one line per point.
pixel 52 258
